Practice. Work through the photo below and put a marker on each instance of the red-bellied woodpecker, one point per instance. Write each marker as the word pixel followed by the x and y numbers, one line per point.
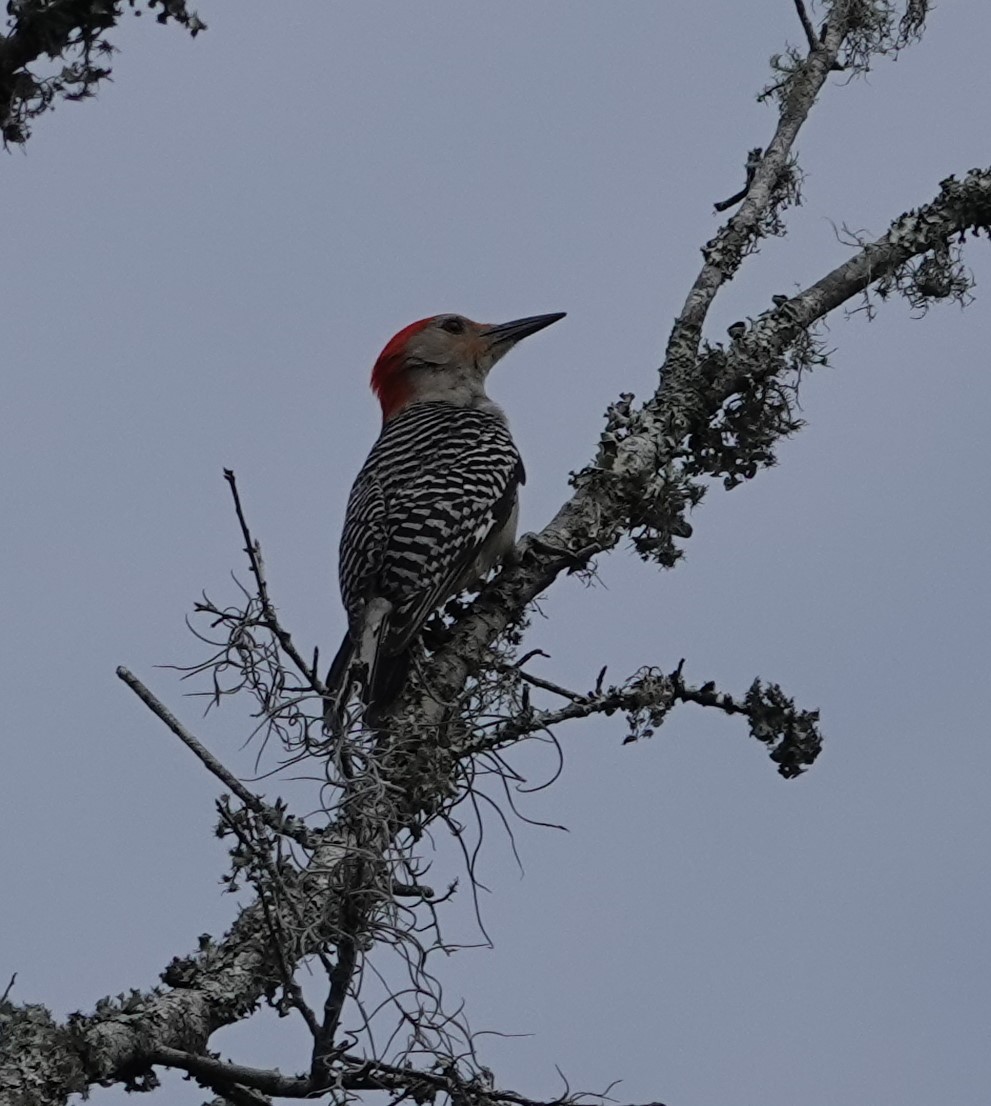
pixel 434 507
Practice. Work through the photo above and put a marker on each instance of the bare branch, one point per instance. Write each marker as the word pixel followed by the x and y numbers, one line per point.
pixel 214 1071
pixel 340 982
pixel 357 1074
pixel 270 618
pixel 155 705
pixel 810 35
pixel 750 167
pixel 272 816
pixel 372 1075
pixel 536 681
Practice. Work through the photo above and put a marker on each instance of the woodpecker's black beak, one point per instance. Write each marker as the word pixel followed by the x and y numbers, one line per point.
pixel 505 335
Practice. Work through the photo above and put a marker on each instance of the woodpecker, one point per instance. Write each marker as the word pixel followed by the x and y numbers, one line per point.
pixel 434 508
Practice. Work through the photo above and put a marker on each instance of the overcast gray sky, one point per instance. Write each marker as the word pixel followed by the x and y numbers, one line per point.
pixel 199 269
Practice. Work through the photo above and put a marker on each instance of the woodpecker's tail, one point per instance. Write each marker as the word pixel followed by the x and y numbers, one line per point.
pixel 340 687
pixel 368 671
pixel 387 685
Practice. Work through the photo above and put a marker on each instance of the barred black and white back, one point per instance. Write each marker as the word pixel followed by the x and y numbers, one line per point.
pixel 433 510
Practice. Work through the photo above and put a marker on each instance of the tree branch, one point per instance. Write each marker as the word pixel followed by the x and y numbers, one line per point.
pixel 961 206
pixel 642 453
pixel 751 166
pixel 648 696
pixel 810 35
pixel 221 1073
pixel 356 1074
pixel 724 253
pixel 272 816
pixel 71 31
pixel 269 617
pixel 340 981
pixel 234 1094
pixel 155 705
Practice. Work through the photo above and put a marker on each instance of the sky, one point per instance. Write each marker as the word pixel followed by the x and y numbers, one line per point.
pixel 200 266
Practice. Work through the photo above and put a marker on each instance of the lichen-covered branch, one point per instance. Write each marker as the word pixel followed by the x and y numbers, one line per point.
pixel 771 185
pixel 647 698
pixel 718 420
pixel 58 49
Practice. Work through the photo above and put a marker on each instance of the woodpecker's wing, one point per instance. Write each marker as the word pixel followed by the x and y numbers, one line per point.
pixel 363 541
pixel 437 541
pixel 439 481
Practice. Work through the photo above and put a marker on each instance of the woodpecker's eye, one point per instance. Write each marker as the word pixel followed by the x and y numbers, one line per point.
pixel 453 325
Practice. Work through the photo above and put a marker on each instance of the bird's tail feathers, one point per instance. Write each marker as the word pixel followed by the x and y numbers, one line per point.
pixel 363 668
pixel 340 688
pixel 387 683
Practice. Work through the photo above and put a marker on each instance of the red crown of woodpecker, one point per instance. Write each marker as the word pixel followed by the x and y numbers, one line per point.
pixel 389 381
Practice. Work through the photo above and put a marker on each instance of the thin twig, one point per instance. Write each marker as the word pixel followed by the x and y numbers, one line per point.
pixel 253 549
pixel 365 1075
pixel 751 166
pixel 376 1075
pixel 815 43
pixel 250 800
pixel 268 1081
pixel 340 981
pixel 545 685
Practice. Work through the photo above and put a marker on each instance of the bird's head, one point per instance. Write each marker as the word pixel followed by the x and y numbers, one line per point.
pixel 445 358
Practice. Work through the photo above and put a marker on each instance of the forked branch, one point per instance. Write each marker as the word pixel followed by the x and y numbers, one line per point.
pixel 646 470
pixel 269 617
